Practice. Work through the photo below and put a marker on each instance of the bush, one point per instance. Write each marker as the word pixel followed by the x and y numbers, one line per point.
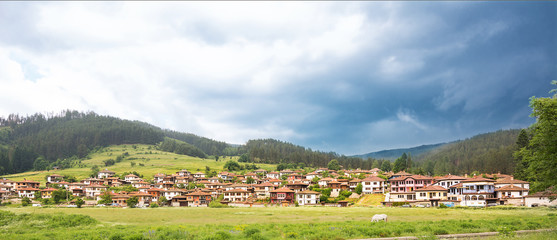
pixel 215 204
pixel 79 202
pixel 25 202
pixel 154 205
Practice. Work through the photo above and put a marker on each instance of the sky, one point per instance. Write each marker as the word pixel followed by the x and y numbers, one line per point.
pixel 348 77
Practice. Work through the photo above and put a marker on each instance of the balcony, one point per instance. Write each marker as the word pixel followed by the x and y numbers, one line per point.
pixel 484 191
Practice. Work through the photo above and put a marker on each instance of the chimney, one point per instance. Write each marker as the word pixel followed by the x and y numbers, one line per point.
pixel 512 178
pixel 466 175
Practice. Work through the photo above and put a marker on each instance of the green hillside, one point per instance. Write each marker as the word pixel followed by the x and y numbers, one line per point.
pixel 488 153
pixel 40 142
pixel 393 154
pixel 147 160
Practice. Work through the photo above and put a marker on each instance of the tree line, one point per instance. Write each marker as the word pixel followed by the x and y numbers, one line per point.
pixel 276 152
pixel 208 146
pixel 486 153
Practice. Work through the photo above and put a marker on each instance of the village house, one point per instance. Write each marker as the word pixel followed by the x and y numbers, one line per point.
pixel 94 190
pixel 90 181
pixel 226 176
pixel 6 188
pixel 140 184
pixel 324 181
pixel 286 172
pixel 170 193
pixel 312 175
pixel 502 182
pixel 478 192
pixel 132 178
pixel 27 184
pixel 334 185
pixel 198 199
pixel 448 181
pixel 297 186
pixel 47 192
pixel 27 192
pixel 155 193
pixel 371 185
pixel 281 195
pixel 406 183
pixel 113 181
pixel 184 173
pixel 236 195
pixel 541 199
pixel 273 175
pixel 144 199
pixel 263 190
pixel 511 194
pixel 120 199
pixel 105 174
pixel 307 197
pixel 198 175
pixel 432 194
pixel 354 183
pixel 9 182
pixel 159 177
pixel 4 195
pixel 276 182
pixel 54 178
pixel 214 179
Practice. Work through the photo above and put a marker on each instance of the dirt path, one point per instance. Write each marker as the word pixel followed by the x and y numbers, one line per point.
pixel 461 235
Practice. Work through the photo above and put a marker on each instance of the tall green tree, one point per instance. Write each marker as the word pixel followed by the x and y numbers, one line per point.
pixel 541 152
pixel 333 165
pixel 132 202
pixel 400 163
pixel 521 165
pixel 386 166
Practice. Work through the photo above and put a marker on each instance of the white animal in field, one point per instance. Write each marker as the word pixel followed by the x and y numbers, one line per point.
pixel 379 217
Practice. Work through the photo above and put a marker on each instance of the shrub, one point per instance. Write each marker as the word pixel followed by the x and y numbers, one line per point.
pixel 215 204
pixel 25 202
pixel 79 202
pixel 154 205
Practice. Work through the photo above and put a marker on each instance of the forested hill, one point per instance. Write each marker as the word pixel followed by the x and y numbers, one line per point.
pixel 206 145
pixel 393 154
pixel 277 152
pixel 489 152
pixel 73 133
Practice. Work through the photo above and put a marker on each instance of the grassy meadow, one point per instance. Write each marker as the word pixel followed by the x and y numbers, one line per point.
pixel 148 161
pixel 264 223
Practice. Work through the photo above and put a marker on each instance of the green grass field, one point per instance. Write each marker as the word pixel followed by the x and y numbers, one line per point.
pixel 263 223
pixel 154 162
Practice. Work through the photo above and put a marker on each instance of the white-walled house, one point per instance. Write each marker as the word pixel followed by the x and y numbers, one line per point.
pixel 448 181
pixel 373 184
pixel 236 195
pixel 27 192
pixel 307 197
pixel 540 199
pixel 478 192
pixel 105 174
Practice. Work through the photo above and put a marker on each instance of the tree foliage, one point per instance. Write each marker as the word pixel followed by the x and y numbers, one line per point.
pixel 276 152
pixel 487 153
pixel 208 146
pixel 333 165
pixel 540 154
pixel 132 201
pixel 179 147
pixel 61 136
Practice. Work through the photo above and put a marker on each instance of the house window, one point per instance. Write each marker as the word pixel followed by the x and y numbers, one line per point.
pixel 281 195
pixel 422 194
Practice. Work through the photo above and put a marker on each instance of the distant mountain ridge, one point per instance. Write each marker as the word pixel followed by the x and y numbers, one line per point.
pixel 393 154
